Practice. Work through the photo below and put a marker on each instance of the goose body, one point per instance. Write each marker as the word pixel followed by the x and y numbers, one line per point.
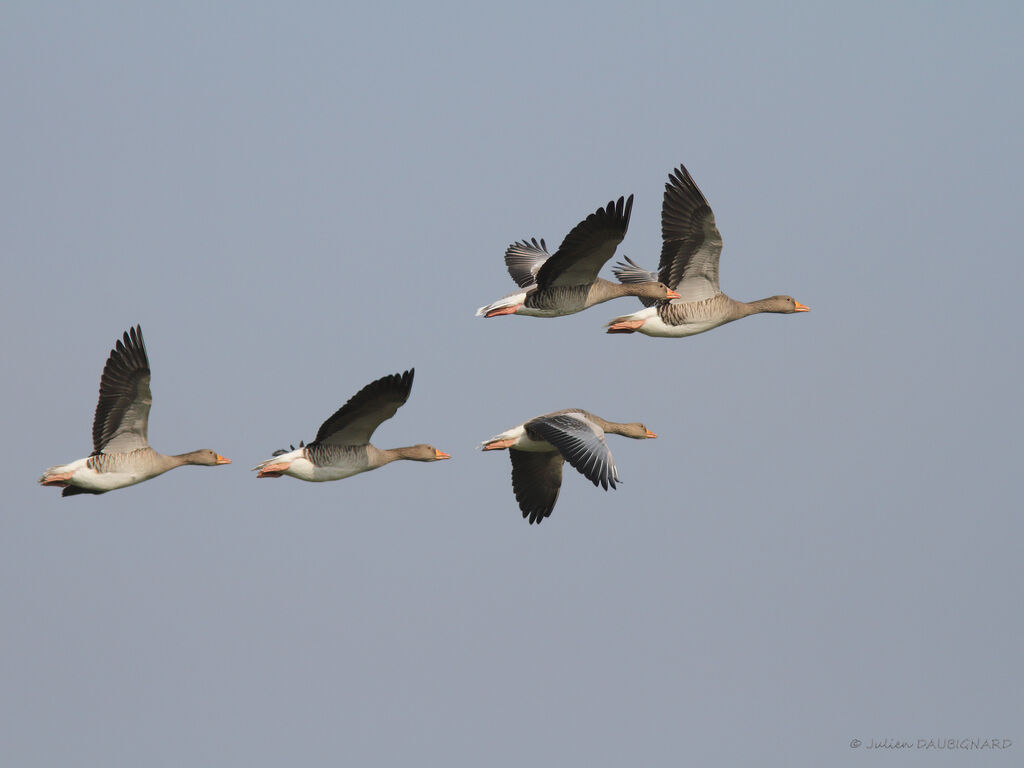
pixel 298 464
pixel 121 453
pixel 342 446
pixel 566 282
pixel 691 246
pixel 539 447
pixel 558 301
pixel 693 317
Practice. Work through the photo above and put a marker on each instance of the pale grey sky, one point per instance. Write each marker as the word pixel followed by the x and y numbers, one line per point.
pixel 295 199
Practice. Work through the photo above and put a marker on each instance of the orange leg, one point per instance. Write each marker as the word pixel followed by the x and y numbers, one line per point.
pixel 498 445
pixel 61 480
pixel 625 326
pixel 503 311
pixel 273 470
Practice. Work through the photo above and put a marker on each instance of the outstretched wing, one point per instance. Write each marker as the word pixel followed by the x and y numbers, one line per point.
pixel 122 413
pixel 587 247
pixel 536 480
pixel 355 422
pixel 581 442
pixel 523 259
pixel 691 243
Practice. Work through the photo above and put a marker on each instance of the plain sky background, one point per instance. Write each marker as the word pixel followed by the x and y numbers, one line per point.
pixel 293 199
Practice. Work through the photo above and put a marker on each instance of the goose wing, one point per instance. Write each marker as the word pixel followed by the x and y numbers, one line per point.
pixel 524 259
pixel 691 243
pixel 355 422
pixel 536 480
pixel 587 247
pixel 121 422
pixel 580 441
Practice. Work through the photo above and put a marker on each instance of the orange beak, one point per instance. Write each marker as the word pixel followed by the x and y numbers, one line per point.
pixel 440 455
pixel 222 460
pixel 673 295
pixel 650 434
pixel 801 307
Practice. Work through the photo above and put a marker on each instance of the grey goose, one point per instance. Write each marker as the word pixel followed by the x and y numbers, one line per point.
pixel 121 453
pixel 691 245
pixel 342 446
pixel 540 446
pixel 566 282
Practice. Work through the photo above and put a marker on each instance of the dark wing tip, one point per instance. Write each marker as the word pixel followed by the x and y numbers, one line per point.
pixel 402 382
pixel 399 381
pixel 528 245
pixel 133 337
pixel 131 349
pixel 680 176
pixel 680 182
pixel 612 217
pixel 602 481
pixel 618 210
pixel 531 243
pixel 536 513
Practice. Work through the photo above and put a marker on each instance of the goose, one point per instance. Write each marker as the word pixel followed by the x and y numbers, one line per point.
pixel 121 454
pixel 567 282
pixel 691 245
pixel 342 446
pixel 540 446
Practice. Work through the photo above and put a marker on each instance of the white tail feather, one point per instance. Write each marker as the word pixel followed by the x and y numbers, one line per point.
pixel 507 301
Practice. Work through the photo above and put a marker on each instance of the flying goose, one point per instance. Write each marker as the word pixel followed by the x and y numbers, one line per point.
pixel 567 282
pixel 342 446
pixel 691 245
pixel 121 454
pixel 540 446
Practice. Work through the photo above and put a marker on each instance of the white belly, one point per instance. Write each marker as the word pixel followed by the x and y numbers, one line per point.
pixel 303 469
pixel 655 326
pixel 91 480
